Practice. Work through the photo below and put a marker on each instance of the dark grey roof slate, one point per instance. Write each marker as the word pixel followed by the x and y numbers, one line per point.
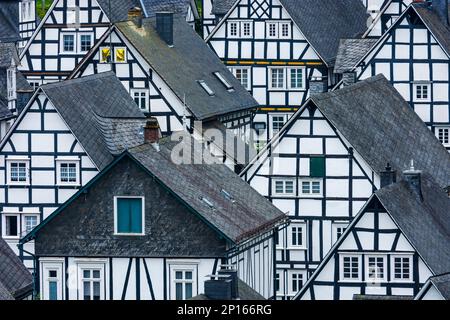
pixel 9 21
pixel 247 214
pixel 8 51
pixel 245 292
pixel 175 6
pixel 15 279
pixel 425 223
pixel 188 61
pixel 442 284
pixel 221 7
pixel 22 85
pixel 100 113
pixel 350 52
pixel 119 8
pixel 5 113
pixel 382 128
pixel 380 297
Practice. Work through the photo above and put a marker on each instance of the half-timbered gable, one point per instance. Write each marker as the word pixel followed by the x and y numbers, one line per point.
pixel 66 134
pixel 187 220
pixel 398 240
pixel 414 55
pixel 168 84
pixel 436 288
pixel 212 12
pixel 277 48
pixel 186 8
pixel 325 164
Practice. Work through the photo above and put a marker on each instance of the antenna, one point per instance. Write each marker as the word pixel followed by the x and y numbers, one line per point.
pixel 185 127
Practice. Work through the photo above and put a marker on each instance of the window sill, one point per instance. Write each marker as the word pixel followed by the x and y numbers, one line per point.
pixel 74 185
pixel 311 196
pixel 18 184
pixel 129 234
pixel 11 237
pixel 302 248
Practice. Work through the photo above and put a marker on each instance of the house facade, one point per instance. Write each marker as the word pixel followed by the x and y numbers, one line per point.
pixel 322 168
pixel 67 133
pixel 280 49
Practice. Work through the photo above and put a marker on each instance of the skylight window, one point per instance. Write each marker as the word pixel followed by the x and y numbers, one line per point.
pixel 208 90
pixel 227 195
pixel 207 202
pixel 223 80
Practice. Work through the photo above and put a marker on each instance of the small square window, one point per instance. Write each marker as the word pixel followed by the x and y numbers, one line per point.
pixel 401 268
pixel 30 222
pixel 68 43
pixel 443 134
pixel 105 55
pixel 129 215
pixel 375 268
pixel 243 75
pixel 85 42
pixel 68 172
pixel 277 123
pixel 422 91
pixel 141 97
pixel 121 55
pixel 18 172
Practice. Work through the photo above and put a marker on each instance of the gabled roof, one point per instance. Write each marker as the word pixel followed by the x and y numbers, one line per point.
pixel 175 6
pixel 183 65
pixel 15 280
pixel 424 222
pixel 380 125
pixel 8 53
pixel 221 7
pixel 119 8
pixel 350 53
pixel 100 113
pixel 441 283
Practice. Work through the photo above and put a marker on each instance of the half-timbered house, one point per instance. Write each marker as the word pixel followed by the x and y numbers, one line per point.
pixel 436 288
pixel 280 49
pixel 212 12
pixel 17 20
pixel 151 228
pixel 326 162
pixel 16 282
pixel 67 133
pixel 414 54
pixel 393 246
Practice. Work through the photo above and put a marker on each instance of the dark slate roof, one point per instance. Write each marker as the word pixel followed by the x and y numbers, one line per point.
pixel 425 221
pixel 442 284
pixel 22 85
pixel 440 29
pixel 350 52
pixel 100 113
pixel 8 51
pixel 15 280
pixel 181 66
pixel 119 8
pixel 221 7
pixel 380 297
pixel 175 6
pixel 382 128
pixel 245 292
pixel 5 113
pixel 9 29
pixel 244 216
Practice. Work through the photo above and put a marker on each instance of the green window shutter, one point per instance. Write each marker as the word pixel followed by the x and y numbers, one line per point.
pixel 317 167
pixel 129 215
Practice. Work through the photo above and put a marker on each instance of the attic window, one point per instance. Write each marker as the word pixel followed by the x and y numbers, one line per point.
pixel 224 81
pixel 227 195
pixel 206 87
pixel 207 202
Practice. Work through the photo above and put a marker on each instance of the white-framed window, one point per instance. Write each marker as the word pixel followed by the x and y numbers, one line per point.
pixel 243 75
pixel 297 235
pixel 443 134
pixel 29 222
pixel 52 278
pixel 92 283
pixel 85 42
pixel 11 225
pixel 296 279
pixel 105 55
pixel 278 29
pixel 401 268
pixel 277 78
pixel 278 282
pixel 422 92
pixel 277 122
pixel 129 215
pixel 120 55
pixel 68 43
pixel 284 187
pixel 68 171
pixel 27 10
pixel 206 87
pixel 233 29
pixel 240 29
pixel 247 31
pixel 272 29
pixel 18 171
pixel 311 187
pixel 285 30
pixel 297 78
pixel 183 281
pixel 338 230
pixel 375 268
pixel 141 97
pixel 11 83
pixel 350 268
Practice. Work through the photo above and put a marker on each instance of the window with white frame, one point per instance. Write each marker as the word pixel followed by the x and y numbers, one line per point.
pixel 272 29
pixel 246 29
pixel 105 54
pixel 183 282
pixel 311 187
pixel 375 268
pixel 443 134
pixel 30 221
pixel 52 281
pixel 85 42
pixel 233 29
pixel 297 235
pixel 350 267
pixel 278 29
pixel 27 10
pixel 68 43
pixel 129 215
pixel 11 83
pixel 338 230
pixel 277 78
pixel 284 187
pixel 296 78
pixel 277 123
pixel 401 268
pixel 243 75
pixel 91 283
pixel 277 281
pixel 422 91
pixel 68 172
pixel 141 97
pixel 285 30
pixel 120 55
pixel 296 281
pixel 11 225
pixel 18 171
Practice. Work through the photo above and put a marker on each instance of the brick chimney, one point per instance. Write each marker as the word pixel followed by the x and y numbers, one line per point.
pixel 152 132
pixel 388 176
pixel 135 15
pixel 164 26
pixel 414 178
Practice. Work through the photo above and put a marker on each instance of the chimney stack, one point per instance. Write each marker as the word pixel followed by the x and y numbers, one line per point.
pixel 388 176
pixel 414 178
pixel 348 78
pixel 152 132
pixel 219 287
pixel 135 15
pixel 164 26
pixel 441 8
pixel 229 270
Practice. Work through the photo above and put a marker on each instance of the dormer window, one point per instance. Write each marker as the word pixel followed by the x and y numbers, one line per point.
pixel 224 81
pixel 205 87
pixel 129 217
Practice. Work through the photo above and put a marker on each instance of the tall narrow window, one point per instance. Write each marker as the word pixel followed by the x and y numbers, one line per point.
pixel 272 30
pixel 285 28
pixel 121 55
pixel 296 282
pixel 277 78
pixel 52 282
pixel 91 284
pixel 246 29
pixel 298 235
pixel 184 282
pixel 11 226
pixel 85 42
pixel 233 29
pixel 375 268
pixel 350 268
pixel 296 78
pixel 68 43
pixel 401 268
pixel 129 215
pixel 277 123
pixel 141 97
pixel 105 55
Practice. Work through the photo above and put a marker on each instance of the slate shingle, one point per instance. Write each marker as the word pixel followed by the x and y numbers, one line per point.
pixel 442 284
pixel 175 6
pixel 119 8
pixel 350 52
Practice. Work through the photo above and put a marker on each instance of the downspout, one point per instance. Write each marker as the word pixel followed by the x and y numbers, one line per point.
pixel 34 275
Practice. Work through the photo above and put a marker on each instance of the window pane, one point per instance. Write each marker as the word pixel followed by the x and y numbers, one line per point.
pixel 86 290
pixel 86 274
pixel 69 42
pixel 96 274
pixel 96 285
pixel 53 290
pixel 289 187
pixel 188 290
pixel 179 291
pixel 179 275
pixel 306 189
pixel 12 226
pixel 188 275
